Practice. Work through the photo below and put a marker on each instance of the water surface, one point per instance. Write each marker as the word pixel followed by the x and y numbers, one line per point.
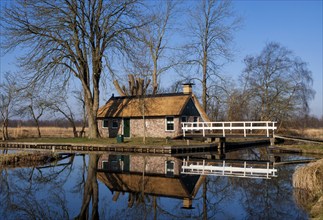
pixel 116 186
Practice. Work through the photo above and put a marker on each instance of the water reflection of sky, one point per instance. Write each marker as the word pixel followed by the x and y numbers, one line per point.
pixel 57 192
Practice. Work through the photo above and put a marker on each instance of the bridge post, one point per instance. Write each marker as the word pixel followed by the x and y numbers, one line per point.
pixel 221 144
pixel 272 141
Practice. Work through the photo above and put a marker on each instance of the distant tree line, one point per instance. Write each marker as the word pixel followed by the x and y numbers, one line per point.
pixel 96 44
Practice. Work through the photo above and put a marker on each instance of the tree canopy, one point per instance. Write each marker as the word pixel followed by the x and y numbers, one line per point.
pixel 65 38
pixel 277 84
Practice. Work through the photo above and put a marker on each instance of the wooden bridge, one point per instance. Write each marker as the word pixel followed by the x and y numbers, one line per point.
pixel 232 128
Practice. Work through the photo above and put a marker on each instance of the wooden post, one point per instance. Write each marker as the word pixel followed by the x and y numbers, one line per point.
pixel 272 141
pixel 221 144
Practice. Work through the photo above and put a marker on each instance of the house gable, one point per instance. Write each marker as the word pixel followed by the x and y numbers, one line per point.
pixel 190 109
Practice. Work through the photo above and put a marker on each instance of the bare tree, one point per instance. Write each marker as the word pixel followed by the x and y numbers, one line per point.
pixel 212 25
pixel 8 93
pixel 137 88
pixel 154 39
pixel 63 105
pixel 71 38
pixel 32 104
pixel 277 83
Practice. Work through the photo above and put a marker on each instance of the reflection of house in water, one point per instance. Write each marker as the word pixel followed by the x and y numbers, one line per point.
pixel 151 175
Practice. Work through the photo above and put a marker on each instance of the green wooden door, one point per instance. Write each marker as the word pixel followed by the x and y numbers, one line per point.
pixel 126 127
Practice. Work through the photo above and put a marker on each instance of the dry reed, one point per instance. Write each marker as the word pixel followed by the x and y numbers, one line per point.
pixel 308 132
pixel 308 188
pixel 309 177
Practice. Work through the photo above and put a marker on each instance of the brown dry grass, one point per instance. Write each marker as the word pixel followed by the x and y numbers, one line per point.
pixel 309 177
pixel 308 132
pixel 31 132
pixel 308 184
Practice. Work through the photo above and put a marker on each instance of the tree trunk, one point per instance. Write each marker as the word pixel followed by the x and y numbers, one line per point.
pixel 74 131
pixel 92 106
pixel 204 82
pixel 38 128
pixel 6 133
pixel 155 83
pixel 93 126
pixel 3 132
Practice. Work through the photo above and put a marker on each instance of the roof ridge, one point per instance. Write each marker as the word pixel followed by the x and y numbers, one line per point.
pixel 151 96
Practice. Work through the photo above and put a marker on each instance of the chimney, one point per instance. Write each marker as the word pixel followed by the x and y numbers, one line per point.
pixel 187 203
pixel 187 88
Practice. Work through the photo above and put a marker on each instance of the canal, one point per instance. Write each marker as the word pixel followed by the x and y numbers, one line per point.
pixel 135 186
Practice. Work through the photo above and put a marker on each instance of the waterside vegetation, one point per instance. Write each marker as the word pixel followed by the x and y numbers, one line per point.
pixel 308 188
pixel 26 158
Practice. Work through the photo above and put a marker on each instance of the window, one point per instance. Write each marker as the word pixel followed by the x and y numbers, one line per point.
pixel 184 119
pixel 169 123
pixel 105 165
pixel 169 167
pixel 105 123
pixel 115 123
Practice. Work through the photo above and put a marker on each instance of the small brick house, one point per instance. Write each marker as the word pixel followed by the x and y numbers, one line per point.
pixel 162 114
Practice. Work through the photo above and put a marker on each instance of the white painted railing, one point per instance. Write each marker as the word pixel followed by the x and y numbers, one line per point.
pixel 224 127
pixel 245 170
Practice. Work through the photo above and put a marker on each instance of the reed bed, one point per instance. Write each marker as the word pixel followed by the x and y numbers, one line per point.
pixel 308 188
pixel 307 132
pixel 309 177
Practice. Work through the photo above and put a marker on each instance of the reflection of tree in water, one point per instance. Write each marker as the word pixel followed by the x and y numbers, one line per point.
pixel 207 203
pixel 22 197
pixel 268 199
pixel 91 190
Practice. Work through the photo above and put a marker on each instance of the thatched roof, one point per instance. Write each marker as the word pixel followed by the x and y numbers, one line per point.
pixel 158 105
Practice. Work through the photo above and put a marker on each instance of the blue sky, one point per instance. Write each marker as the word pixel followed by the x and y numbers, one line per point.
pixel 295 24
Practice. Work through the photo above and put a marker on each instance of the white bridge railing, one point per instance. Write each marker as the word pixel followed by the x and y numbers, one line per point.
pixel 224 128
pixel 262 170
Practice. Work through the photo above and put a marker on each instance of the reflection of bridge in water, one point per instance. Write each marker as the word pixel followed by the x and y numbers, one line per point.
pixel 263 170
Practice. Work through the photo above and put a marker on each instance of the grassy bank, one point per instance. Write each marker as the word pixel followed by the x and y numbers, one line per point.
pixel 304 148
pixel 108 141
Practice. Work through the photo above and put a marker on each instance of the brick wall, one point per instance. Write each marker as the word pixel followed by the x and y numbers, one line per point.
pixel 109 132
pixel 155 127
pixel 154 164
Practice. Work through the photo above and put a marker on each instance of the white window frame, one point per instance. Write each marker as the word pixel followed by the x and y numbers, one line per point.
pixel 170 170
pixel 107 121
pixel 169 122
